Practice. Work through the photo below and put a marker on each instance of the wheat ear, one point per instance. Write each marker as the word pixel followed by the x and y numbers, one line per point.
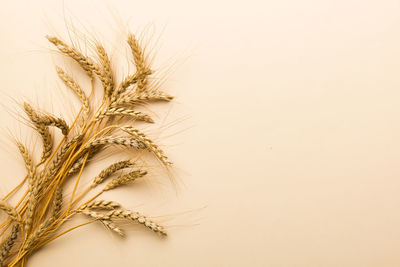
pixel 50 120
pixel 56 163
pixel 137 53
pixel 124 179
pixel 150 145
pixel 122 141
pixel 8 244
pixel 137 115
pixel 136 217
pixel 102 205
pixel 140 62
pixel 134 98
pixel 110 170
pixel 85 62
pixel 32 187
pixel 83 159
pixel 12 212
pixel 30 208
pixel 105 75
pixel 46 119
pixel 76 88
pixel 127 82
pixel 76 166
pixel 113 227
pixel 43 131
pixel 103 219
pixel 28 163
pixel 57 205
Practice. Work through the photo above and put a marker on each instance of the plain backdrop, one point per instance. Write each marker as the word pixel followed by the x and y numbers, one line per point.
pixel 285 130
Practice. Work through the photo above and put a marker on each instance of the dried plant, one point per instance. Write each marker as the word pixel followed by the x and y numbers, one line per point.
pixel 42 211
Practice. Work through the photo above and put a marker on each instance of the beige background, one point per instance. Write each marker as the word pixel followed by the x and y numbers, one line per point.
pixel 285 131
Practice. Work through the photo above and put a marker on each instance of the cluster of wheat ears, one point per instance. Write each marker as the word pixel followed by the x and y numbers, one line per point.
pixel 42 210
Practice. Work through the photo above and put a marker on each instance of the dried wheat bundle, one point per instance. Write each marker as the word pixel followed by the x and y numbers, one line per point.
pixel 42 210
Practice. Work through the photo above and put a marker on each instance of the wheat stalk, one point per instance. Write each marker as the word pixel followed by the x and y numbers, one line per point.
pixel 42 210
